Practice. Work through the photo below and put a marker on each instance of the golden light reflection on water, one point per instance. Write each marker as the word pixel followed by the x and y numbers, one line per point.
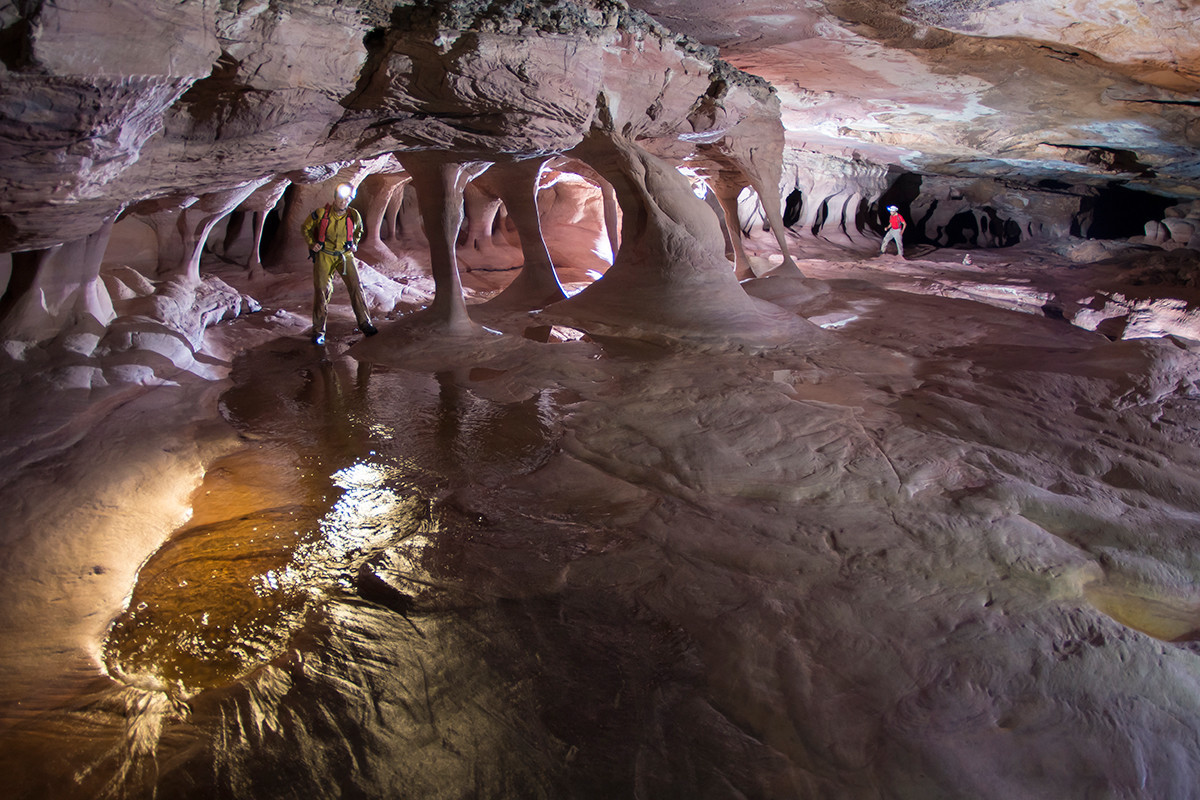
pixel 224 598
pixel 330 500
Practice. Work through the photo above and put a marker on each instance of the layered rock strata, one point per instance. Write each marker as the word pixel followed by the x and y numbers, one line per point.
pixel 443 86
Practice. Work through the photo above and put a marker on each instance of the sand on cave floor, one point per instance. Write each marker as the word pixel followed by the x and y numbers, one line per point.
pixel 946 548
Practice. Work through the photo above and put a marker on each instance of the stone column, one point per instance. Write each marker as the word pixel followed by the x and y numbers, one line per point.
pixel 536 285
pixel 727 193
pixel 162 215
pixel 479 209
pixel 58 289
pixel 197 217
pixel 850 216
pixel 768 195
pixel 374 198
pixel 260 203
pixel 670 278
pixel 439 182
pixel 815 196
pixel 831 229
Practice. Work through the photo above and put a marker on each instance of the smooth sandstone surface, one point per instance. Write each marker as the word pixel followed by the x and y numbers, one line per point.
pixel 657 481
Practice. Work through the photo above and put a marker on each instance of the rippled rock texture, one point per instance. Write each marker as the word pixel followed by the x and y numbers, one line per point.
pixel 619 502
pixel 943 547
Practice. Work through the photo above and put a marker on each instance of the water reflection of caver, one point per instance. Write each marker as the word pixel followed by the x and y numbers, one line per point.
pixel 333 234
pixel 337 399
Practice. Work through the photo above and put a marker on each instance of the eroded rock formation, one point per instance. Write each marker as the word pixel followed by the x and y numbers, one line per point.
pixel 657 482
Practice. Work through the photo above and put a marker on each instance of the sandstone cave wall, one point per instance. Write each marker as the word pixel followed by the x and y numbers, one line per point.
pixel 199 110
pixel 182 114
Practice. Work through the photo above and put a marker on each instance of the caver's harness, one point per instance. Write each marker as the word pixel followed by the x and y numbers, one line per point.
pixel 322 220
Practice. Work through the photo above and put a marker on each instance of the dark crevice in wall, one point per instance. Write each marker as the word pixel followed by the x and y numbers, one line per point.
pixel 15 50
pixel 920 225
pixel 274 221
pixel 861 219
pixel 791 208
pixel 24 271
pixel 1117 212
pixel 1159 102
pixel 1012 233
pixel 822 217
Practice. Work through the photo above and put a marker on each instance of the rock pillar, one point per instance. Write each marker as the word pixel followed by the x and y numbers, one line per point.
pixel 195 221
pixel 536 285
pixel 58 289
pixel 439 183
pixel 260 203
pixel 670 278
pixel 727 197
pixel 374 198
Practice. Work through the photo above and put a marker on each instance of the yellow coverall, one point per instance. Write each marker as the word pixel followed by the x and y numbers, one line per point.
pixel 334 256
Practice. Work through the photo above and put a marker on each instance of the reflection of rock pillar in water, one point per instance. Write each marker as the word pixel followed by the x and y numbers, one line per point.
pixel 439 183
pixel 448 426
pixel 536 286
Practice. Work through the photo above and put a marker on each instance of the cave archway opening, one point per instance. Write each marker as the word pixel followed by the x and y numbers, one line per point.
pixel 962 230
pixel 1118 212
pixel 580 222
pixel 903 192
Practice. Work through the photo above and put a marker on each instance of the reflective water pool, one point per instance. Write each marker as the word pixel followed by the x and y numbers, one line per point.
pixel 362 606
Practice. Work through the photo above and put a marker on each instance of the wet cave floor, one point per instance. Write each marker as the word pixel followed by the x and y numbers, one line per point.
pixel 906 555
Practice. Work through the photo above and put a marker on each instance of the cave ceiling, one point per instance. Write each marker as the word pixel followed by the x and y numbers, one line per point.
pixel 1084 93
pixel 104 105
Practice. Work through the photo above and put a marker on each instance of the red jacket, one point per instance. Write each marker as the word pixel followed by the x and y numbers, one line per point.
pixel 896 222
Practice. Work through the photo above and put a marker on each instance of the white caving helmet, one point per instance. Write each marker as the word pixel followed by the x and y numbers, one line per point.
pixel 892 208
pixel 344 191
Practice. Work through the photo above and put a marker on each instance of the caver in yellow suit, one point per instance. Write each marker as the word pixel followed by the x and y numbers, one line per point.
pixel 333 233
